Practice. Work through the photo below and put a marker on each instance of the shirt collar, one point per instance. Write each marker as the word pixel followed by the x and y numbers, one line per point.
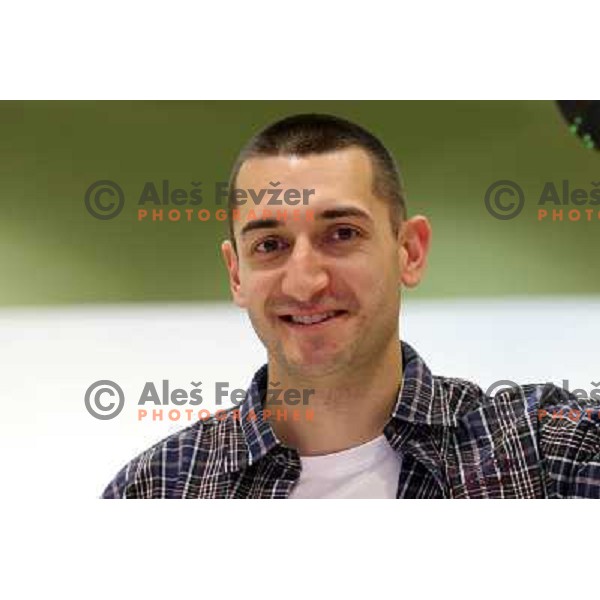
pixel 258 433
pixel 421 399
pixel 417 404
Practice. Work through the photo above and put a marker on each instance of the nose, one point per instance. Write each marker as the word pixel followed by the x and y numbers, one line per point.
pixel 305 274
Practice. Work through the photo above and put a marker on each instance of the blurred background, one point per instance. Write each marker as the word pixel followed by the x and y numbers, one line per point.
pixel 86 299
pixel 53 252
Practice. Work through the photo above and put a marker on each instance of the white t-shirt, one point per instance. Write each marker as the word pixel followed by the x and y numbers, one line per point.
pixel 370 470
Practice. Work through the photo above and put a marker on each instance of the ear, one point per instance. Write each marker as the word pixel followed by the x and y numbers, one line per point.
pixel 414 239
pixel 231 262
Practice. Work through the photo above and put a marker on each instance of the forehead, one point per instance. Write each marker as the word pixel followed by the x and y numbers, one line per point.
pixel 341 173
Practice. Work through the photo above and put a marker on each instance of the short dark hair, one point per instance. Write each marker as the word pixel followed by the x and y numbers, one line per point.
pixel 313 133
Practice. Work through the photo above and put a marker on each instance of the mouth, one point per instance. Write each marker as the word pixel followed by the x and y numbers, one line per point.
pixel 313 321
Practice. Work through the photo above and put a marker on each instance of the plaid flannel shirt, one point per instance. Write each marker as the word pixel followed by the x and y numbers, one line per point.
pixel 454 441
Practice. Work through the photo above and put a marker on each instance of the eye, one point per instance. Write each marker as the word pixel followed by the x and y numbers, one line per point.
pixel 268 245
pixel 345 233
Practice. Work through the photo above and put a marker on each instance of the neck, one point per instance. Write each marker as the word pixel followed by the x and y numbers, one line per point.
pixel 345 409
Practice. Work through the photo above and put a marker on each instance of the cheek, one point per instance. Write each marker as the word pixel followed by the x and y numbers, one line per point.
pixel 257 288
pixel 374 283
pixel 368 276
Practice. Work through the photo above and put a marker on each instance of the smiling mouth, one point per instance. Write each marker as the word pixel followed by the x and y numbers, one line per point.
pixel 313 320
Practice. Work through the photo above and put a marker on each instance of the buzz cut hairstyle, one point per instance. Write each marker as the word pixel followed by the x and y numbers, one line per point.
pixel 312 133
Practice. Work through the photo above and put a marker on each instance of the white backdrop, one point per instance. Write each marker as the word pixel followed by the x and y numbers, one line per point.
pixel 53 447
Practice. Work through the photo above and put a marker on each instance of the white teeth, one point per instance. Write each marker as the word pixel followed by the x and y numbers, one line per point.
pixel 313 318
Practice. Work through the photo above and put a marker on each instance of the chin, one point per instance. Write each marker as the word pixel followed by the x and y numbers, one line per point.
pixel 316 363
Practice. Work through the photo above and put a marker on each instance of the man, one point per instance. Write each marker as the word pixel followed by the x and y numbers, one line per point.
pixel 323 294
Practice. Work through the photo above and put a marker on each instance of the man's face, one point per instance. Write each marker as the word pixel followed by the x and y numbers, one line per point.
pixel 322 289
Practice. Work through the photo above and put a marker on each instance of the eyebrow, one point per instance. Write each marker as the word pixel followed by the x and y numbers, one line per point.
pixel 344 211
pixel 260 224
pixel 329 214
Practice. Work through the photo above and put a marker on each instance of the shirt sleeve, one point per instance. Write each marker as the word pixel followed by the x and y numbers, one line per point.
pixel 158 471
pixel 133 480
pixel 569 437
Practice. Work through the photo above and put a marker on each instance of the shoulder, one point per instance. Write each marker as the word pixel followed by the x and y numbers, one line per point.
pixel 171 467
pixel 540 422
pixel 546 402
pixel 569 434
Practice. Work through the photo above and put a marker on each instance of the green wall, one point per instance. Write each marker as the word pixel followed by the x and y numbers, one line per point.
pixel 52 251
